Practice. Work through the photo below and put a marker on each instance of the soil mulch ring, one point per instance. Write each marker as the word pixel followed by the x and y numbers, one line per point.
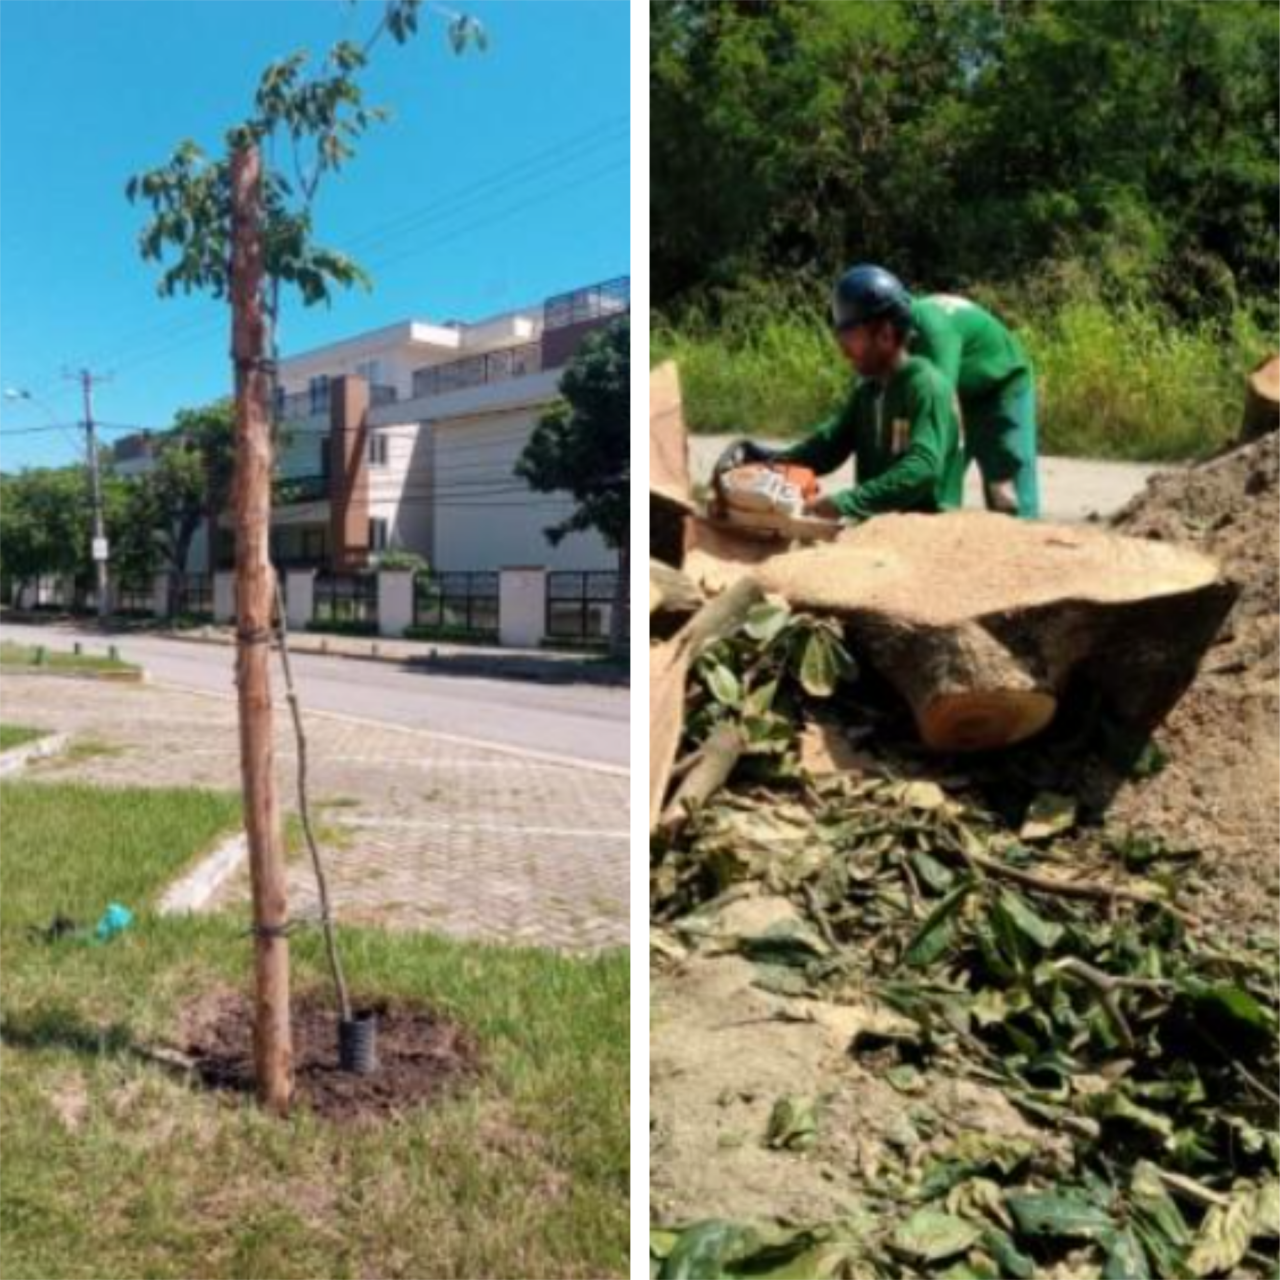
pixel 422 1056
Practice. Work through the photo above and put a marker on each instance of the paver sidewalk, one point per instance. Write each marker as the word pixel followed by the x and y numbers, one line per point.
pixel 426 833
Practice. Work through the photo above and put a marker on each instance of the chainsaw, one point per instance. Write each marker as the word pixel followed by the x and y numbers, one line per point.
pixel 767 500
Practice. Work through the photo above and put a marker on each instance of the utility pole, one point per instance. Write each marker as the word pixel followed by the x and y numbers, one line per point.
pixel 255 599
pixel 99 548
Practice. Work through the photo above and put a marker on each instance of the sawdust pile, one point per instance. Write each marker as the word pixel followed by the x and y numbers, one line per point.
pixel 1221 787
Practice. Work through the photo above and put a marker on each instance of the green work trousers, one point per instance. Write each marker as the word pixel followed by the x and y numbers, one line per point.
pixel 1000 433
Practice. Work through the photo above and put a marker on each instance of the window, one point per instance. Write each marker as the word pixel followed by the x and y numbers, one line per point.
pixel 369 370
pixel 326 453
pixel 318 393
pixel 377 449
pixel 378 535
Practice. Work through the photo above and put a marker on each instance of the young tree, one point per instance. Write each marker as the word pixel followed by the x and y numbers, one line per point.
pixel 582 447
pixel 238 227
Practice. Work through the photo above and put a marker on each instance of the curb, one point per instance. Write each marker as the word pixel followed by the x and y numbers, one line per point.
pixel 107 677
pixel 193 892
pixel 569 659
pixel 17 758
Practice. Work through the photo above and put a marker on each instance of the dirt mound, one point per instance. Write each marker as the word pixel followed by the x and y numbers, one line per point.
pixel 421 1056
pixel 1221 788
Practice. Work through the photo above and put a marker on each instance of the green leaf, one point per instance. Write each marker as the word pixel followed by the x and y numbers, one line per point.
pixel 1225 1234
pixel 766 621
pixel 1010 1261
pixel 819 667
pixel 793 1123
pixel 1049 815
pixel 930 1236
pixel 936 934
pixel 1126 1258
pixel 1267 1220
pixel 939 877
pixel 1065 1215
pixel 723 684
pixel 706 1250
pixel 1043 933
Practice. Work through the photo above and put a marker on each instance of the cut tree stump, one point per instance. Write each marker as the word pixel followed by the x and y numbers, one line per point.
pixel 670 494
pixel 982 622
pixel 1262 401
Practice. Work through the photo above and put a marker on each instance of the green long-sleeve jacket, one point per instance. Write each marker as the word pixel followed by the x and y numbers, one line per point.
pixel 904 436
pixel 968 345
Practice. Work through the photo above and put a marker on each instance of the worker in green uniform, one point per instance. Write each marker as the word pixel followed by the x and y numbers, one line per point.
pixel 994 380
pixel 901 421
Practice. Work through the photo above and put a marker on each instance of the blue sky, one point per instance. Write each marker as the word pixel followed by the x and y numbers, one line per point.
pixel 501 178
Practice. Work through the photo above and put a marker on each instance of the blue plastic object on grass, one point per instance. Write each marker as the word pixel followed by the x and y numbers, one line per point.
pixel 115 919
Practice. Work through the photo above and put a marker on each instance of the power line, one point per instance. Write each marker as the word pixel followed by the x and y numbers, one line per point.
pixel 559 155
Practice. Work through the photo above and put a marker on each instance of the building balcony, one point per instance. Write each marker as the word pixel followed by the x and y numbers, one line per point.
pixel 594 302
pixel 478 371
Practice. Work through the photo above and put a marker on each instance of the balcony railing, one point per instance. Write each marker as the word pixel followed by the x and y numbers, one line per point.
pixel 298 405
pixel 477 371
pixel 610 298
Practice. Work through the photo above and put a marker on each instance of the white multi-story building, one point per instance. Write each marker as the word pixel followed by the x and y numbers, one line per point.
pixel 407 438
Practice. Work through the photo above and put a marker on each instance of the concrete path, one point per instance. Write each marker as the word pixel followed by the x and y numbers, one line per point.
pixel 420 832
pixel 1071 489
pixel 576 721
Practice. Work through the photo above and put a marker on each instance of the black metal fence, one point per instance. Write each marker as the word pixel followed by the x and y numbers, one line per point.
pixel 462 605
pixel 579 606
pixel 135 598
pixel 195 596
pixel 345 600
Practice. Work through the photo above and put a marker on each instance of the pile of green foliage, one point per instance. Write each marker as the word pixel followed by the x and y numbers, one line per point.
pixel 1052 960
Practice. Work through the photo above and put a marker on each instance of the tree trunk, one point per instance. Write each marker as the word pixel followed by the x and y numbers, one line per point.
pixel 982 623
pixel 273 1053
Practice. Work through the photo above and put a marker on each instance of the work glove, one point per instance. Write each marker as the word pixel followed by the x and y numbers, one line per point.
pixel 739 454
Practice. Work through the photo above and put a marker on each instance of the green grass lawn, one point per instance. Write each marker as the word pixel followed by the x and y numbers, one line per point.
pixel 28 655
pixel 114 1168
pixel 14 735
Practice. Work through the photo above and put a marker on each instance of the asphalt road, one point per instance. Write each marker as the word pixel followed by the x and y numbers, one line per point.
pixel 580 723
pixel 1071 489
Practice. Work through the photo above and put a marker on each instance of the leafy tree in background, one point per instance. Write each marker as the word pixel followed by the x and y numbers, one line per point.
pixel 582 446
pixel 960 143
pixel 44 524
pixel 192 477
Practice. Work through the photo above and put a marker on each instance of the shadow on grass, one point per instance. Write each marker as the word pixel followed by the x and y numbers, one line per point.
pixel 58 1027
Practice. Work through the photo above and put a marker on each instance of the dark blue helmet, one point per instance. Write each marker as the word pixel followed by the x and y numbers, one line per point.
pixel 869 293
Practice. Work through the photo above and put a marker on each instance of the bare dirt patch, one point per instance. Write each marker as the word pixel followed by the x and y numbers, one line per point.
pixel 1221 787
pixel 422 1056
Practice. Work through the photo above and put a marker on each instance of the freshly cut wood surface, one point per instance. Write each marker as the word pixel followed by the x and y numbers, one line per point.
pixel 981 621
pixel 1262 400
